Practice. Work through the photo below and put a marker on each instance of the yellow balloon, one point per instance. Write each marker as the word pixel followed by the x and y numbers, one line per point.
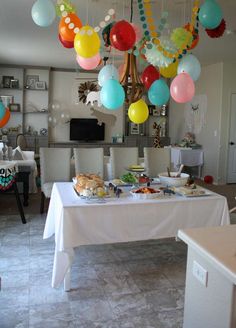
pixel 169 71
pixel 87 42
pixel 138 112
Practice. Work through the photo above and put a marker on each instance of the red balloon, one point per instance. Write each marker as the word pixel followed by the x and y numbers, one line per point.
pixel 149 75
pixel 66 44
pixel 5 118
pixel 122 36
pixel 218 31
pixel 208 179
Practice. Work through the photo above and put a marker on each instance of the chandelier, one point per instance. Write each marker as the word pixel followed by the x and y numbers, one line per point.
pixel 130 80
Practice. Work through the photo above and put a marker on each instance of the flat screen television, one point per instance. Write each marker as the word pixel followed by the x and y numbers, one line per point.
pixel 86 129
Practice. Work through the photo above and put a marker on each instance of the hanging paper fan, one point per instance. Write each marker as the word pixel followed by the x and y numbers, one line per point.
pixel 156 57
pixel 182 38
pixel 84 90
pixel 218 31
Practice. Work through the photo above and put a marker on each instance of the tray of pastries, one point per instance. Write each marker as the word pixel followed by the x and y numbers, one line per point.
pixel 89 185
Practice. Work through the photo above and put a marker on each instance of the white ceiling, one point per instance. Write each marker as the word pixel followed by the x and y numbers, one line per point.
pixel 22 42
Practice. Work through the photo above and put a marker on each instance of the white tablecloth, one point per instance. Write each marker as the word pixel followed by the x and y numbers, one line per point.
pixel 7 167
pixel 186 156
pixel 75 222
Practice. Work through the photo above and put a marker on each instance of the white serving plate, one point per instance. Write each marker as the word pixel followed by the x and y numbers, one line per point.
pixel 188 192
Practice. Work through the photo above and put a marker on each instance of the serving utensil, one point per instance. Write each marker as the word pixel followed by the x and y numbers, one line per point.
pixel 179 171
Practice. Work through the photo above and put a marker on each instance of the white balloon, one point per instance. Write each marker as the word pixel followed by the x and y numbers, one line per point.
pixel 191 65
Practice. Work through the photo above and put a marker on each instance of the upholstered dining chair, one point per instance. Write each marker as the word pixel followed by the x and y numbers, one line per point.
pixel 89 160
pixel 21 141
pixel 54 167
pixel 156 160
pixel 121 158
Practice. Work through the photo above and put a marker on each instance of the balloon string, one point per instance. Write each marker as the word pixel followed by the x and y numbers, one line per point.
pixel 184 13
pixel 123 9
pixel 87 14
pixel 131 10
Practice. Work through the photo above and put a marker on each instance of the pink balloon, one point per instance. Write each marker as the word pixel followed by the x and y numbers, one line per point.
pixel 182 88
pixel 138 32
pixel 89 63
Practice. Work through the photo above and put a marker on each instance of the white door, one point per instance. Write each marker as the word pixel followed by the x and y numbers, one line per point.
pixel 232 142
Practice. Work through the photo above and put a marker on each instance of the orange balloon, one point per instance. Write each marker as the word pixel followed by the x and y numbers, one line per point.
pixel 65 31
pixel 6 118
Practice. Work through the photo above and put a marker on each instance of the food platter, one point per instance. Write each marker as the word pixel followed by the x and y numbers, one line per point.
pixel 89 186
pixel 138 194
pixel 136 168
pixel 190 192
pixel 92 197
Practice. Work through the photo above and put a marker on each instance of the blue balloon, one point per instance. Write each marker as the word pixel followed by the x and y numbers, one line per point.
pixel 210 14
pixel 112 95
pixel 107 72
pixel 43 12
pixel 2 110
pixel 191 65
pixel 159 93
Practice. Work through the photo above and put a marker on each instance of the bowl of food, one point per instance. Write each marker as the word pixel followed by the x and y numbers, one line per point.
pixel 173 179
pixel 129 178
pixel 145 193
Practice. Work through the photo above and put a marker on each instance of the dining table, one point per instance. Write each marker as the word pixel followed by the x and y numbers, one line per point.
pixel 76 221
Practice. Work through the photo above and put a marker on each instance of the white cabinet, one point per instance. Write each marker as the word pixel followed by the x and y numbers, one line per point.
pixel 27 91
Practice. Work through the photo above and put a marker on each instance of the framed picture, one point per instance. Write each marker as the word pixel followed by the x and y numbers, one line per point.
pixel 30 81
pixel 6 81
pixel 14 84
pixel 7 100
pixel 40 85
pixel 151 108
pixel 134 128
pixel 14 107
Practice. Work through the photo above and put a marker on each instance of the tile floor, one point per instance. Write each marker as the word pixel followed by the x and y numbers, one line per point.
pixel 139 284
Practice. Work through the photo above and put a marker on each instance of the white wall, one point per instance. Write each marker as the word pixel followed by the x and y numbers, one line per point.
pixel 210 84
pixel 64 89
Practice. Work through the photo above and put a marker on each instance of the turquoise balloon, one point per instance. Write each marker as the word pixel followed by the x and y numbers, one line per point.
pixel 43 12
pixel 112 95
pixel 191 65
pixel 107 72
pixel 210 14
pixel 159 93
pixel 2 110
